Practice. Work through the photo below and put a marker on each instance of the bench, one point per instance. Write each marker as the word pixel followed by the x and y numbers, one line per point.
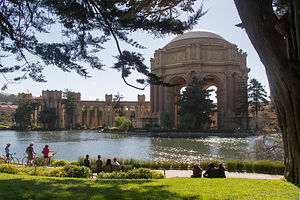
pixel 112 168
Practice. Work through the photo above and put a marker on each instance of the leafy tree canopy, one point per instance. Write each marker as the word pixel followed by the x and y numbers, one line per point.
pixel 48 116
pixel 23 114
pixel 85 27
pixel 71 103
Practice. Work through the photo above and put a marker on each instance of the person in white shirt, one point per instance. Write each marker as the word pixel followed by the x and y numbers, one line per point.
pixel 115 162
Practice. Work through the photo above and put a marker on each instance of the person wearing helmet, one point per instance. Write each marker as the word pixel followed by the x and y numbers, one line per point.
pixel 30 151
pixel 7 152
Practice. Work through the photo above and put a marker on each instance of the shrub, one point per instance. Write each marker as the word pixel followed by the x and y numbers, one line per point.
pixel 59 163
pixel 239 165
pixel 132 174
pixel 57 172
pixel 75 162
pixel 76 171
pixel 265 166
pixel 122 123
pixel 8 168
pixel 39 161
pixel 231 165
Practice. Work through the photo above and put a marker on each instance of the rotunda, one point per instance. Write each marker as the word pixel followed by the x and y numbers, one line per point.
pixel 209 57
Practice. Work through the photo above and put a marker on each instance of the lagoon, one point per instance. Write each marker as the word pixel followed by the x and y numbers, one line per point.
pixel 71 144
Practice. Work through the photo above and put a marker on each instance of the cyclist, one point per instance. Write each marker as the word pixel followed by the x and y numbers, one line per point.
pixel 7 152
pixel 30 151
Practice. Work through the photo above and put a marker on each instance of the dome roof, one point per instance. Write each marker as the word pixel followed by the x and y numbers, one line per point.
pixel 197 33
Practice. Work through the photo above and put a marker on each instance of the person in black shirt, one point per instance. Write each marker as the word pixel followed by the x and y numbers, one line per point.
pixel 87 161
pixel 211 172
pixel 221 171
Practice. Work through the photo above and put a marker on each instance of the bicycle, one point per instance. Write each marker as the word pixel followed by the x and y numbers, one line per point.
pixel 12 159
pixel 36 161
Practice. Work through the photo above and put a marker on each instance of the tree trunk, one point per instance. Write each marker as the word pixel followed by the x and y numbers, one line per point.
pixel 278 46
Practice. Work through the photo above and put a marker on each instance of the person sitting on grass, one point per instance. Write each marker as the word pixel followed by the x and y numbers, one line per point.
pixel 99 164
pixel 115 162
pixel 211 172
pixel 87 161
pixel 197 171
pixel 108 162
pixel 221 171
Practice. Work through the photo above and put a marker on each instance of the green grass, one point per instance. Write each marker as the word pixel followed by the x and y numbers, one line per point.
pixel 33 187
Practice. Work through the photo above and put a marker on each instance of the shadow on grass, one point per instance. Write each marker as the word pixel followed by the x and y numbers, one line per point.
pixel 72 189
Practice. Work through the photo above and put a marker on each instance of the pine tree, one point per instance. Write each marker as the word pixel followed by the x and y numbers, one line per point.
pixel 256 98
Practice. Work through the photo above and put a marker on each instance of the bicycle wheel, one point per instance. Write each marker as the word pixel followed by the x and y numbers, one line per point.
pixel 24 160
pixel 38 161
pixel 15 161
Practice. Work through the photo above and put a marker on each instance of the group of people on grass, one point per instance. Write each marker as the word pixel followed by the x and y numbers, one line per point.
pixel 99 162
pixel 30 153
pixel 211 172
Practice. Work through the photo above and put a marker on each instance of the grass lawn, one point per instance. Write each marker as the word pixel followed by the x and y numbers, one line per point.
pixel 19 187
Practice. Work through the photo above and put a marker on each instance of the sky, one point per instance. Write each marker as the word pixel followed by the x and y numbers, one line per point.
pixel 220 18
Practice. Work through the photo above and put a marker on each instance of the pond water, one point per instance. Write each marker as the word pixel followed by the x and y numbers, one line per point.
pixel 71 144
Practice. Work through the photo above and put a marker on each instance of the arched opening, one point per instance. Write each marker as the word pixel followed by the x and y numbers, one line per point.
pixel 180 85
pixel 214 115
pixel 214 83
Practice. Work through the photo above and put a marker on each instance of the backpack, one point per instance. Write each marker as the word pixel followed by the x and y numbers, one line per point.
pixel 27 150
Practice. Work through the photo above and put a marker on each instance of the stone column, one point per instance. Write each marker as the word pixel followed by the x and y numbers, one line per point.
pixel 136 109
pixel 155 98
pixel 59 113
pixel 87 116
pixel 103 115
pixel 111 116
pixel 79 120
pixel 229 88
pixel 96 116
pixel 151 98
pixel 161 98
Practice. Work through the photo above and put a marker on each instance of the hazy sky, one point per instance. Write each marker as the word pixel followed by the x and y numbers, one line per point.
pixel 221 18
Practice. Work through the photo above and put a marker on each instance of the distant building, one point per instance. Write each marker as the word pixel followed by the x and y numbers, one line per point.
pixel 8 108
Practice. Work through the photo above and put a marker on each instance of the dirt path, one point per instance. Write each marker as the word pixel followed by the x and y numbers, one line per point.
pixel 188 173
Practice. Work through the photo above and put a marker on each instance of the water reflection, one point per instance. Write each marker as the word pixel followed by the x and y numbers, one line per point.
pixel 70 144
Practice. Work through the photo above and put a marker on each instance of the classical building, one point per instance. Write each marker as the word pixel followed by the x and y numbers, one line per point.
pixel 89 113
pixel 209 57
pixel 200 53
pixel 93 113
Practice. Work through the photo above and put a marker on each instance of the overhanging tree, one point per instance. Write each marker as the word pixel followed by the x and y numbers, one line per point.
pixel 85 27
pixel 257 98
pixel 195 107
pixel 273 27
